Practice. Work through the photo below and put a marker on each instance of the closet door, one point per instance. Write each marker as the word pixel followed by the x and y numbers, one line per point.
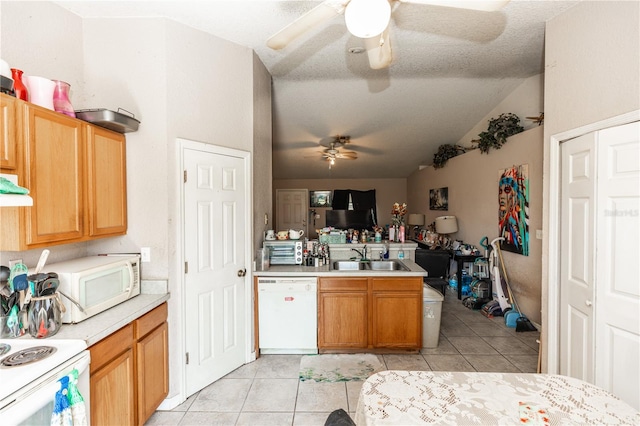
pixel 599 268
pixel 577 271
pixel 617 292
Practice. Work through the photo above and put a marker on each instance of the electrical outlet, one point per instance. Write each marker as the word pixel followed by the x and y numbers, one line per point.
pixel 14 262
pixel 145 254
pixel 539 234
pixel 266 218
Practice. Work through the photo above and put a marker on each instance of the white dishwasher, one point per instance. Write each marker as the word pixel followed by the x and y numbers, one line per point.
pixel 288 315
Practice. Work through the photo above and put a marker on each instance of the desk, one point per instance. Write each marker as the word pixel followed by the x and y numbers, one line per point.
pixel 455 398
pixel 461 259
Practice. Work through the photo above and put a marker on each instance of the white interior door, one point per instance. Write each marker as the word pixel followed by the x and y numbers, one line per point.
pixel 617 349
pixel 291 208
pixel 578 257
pixel 215 210
pixel 599 305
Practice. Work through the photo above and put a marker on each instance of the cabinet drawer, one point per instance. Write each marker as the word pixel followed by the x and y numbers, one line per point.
pixel 146 323
pixel 110 347
pixel 397 284
pixel 343 284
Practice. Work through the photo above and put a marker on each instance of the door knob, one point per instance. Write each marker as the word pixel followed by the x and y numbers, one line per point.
pixel 588 302
pixel 242 272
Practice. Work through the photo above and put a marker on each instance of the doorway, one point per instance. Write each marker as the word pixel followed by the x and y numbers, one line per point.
pixel 291 209
pixel 216 235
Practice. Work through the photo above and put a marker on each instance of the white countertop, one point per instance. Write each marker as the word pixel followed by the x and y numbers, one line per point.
pixel 98 327
pixel 324 271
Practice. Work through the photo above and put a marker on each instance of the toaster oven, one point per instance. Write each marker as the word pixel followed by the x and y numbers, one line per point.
pixel 285 252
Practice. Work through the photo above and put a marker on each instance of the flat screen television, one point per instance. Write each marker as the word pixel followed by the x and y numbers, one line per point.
pixel 346 219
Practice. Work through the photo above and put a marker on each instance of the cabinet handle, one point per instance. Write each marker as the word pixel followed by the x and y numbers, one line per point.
pixel 588 302
pixel 242 272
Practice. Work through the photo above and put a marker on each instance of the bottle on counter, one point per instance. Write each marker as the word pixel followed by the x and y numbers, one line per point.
pixel 401 254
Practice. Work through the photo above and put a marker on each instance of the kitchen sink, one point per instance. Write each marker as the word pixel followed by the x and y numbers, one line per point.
pixel 349 265
pixel 387 265
pixel 375 265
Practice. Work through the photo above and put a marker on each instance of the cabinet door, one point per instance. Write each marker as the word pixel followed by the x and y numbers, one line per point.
pixel 396 320
pixel 107 182
pixel 343 313
pixel 152 371
pixel 112 393
pixel 396 313
pixel 8 134
pixel 55 174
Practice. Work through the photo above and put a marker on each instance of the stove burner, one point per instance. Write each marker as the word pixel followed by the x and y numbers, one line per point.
pixel 4 348
pixel 27 356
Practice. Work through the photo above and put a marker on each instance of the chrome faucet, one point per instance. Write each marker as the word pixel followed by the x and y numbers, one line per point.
pixel 363 253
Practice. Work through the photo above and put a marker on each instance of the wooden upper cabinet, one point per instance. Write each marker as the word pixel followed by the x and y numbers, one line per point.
pixel 8 135
pixel 54 165
pixel 107 182
pixel 75 172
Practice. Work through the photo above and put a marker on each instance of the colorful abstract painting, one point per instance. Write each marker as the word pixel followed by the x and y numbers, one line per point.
pixel 513 216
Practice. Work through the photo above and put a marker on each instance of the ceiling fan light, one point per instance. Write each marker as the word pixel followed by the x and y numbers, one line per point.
pixel 367 18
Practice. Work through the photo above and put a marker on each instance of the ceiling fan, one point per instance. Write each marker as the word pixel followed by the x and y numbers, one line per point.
pixel 333 152
pixel 369 20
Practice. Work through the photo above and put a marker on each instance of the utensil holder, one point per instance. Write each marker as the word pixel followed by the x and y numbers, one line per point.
pixel 10 326
pixel 45 315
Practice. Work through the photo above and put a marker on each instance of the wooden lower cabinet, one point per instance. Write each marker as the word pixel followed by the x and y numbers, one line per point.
pixel 372 313
pixel 112 392
pixel 112 379
pixel 342 313
pixel 152 371
pixel 396 311
pixel 130 371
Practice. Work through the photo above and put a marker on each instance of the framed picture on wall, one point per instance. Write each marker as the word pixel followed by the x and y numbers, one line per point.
pixel 439 199
pixel 320 198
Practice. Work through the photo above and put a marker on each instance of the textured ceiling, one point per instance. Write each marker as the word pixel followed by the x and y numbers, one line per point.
pixel 450 68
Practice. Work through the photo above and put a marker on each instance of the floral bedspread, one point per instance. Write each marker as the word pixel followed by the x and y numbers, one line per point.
pixel 457 398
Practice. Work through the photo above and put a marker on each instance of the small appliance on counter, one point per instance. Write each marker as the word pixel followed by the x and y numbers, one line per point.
pixel 93 284
pixel 284 252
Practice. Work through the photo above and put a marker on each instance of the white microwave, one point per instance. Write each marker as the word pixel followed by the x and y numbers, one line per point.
pixel 93 284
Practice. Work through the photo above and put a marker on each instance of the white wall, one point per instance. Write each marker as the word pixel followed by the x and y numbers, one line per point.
pixel 526 100
pixel 592 62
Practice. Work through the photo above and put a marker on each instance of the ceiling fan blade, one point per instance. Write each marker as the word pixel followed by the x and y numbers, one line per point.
pixel 316 16
pixel 482 5
pixel 346 156
pixel 379 50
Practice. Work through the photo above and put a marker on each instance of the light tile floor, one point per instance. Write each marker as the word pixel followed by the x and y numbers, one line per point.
pixel 268 392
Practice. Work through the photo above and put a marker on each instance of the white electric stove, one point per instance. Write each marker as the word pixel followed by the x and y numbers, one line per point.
pixel 29 373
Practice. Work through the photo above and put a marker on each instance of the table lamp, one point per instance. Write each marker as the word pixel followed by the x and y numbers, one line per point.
pixel 417 220
pixel 446 225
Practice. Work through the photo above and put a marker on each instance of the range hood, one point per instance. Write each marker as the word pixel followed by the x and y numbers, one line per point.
pixel 14 200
